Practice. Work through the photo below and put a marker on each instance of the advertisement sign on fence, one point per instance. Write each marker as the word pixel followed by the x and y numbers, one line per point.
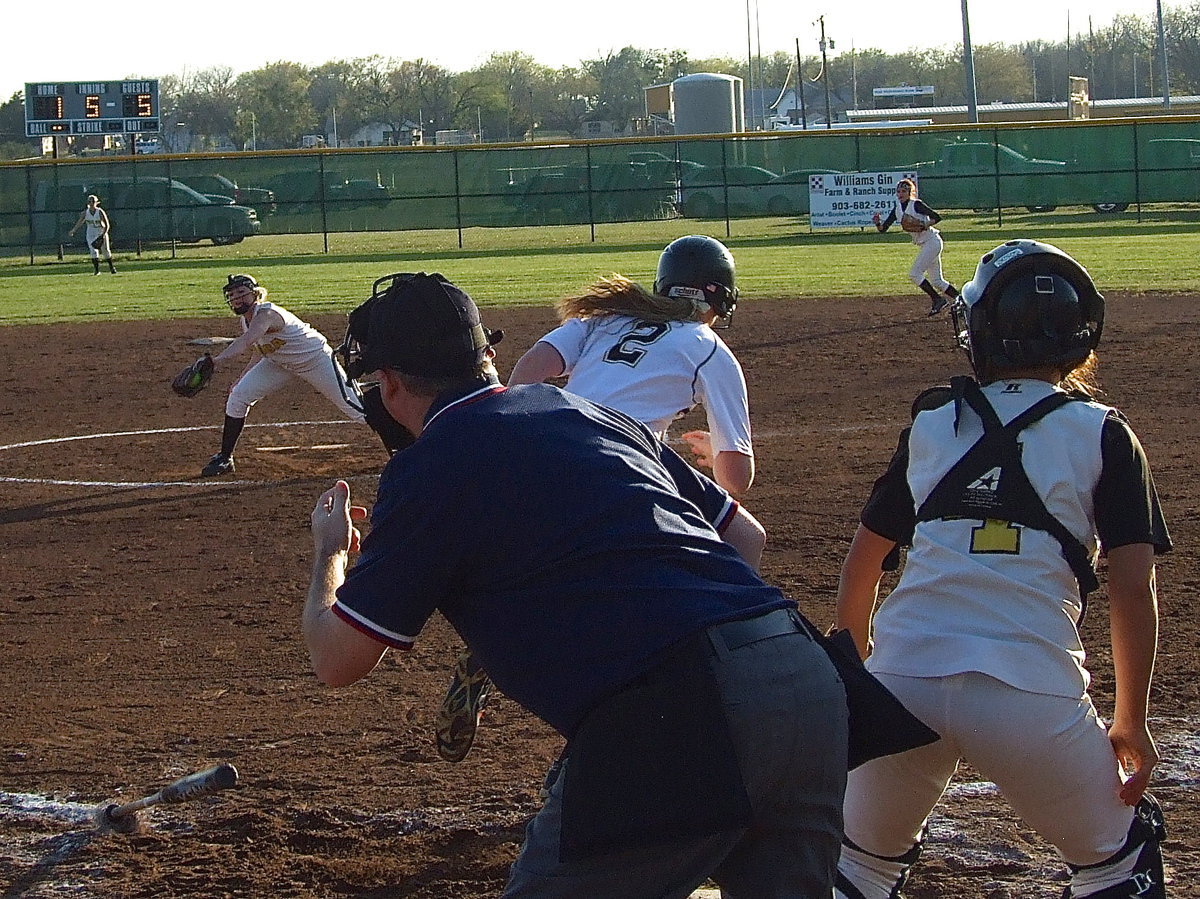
pixel 850 199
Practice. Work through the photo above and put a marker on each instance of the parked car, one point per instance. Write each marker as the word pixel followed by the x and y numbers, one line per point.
pixel 1169 171
pixel 261 199
pixel 147 209
pixel 787 194
pixel 301 191
pixel 707 191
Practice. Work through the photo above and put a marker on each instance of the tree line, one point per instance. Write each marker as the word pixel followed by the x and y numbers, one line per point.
pixel 512 97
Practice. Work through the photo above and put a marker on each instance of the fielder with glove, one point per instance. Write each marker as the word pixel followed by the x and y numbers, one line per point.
pixel 285 348
pixel 96 225
pixel 918 220
pixel 195 377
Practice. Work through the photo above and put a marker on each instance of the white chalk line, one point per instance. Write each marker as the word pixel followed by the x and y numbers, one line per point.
pixel 201 483
pixel 954 835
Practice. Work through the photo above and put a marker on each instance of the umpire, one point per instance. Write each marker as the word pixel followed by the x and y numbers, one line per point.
pixel 611 590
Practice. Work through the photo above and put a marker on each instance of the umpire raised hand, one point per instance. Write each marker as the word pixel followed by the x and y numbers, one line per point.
pixel 706 730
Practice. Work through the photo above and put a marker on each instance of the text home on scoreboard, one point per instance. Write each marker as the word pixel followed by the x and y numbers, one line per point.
pixel 91 107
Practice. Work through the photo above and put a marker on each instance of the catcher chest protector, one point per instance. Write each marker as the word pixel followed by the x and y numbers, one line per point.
pixel 989 481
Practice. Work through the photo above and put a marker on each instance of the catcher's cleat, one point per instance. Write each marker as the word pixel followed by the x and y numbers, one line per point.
pixel 938 305
pixel 458 718
pixel 218 464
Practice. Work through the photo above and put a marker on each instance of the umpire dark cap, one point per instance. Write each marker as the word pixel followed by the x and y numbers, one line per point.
pixel 421 325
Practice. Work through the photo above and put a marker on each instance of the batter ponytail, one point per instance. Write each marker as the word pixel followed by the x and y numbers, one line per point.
pixel 618 295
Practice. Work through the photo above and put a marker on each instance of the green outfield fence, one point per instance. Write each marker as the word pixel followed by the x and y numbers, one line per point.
pixel 1106 165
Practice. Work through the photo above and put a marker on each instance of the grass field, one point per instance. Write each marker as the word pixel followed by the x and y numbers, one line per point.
pixel 776 258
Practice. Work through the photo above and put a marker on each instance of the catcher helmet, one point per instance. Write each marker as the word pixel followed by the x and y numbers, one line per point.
pixel 1029 304
pixel 701 268
pixel 240 281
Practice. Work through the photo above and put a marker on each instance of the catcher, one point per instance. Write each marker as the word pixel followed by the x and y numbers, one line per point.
pixel 918 220
pixel 286 348
pixel 96 226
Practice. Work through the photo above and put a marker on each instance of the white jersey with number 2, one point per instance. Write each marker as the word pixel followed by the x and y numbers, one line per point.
pixel 657 371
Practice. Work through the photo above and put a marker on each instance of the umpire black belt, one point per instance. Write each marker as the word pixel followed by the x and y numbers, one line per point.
pixel 734 634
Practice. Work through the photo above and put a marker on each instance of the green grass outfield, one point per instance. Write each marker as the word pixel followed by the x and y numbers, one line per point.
pixel 775 258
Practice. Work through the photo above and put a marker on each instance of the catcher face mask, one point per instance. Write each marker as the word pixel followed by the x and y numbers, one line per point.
pixel 418 324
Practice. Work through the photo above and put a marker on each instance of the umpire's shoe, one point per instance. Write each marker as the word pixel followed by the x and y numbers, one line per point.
pixel 218 464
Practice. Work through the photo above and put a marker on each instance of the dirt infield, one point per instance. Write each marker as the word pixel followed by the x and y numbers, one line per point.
pixel 149 628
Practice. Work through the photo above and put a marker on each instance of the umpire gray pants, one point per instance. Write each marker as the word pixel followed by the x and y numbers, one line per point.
pixel 785 710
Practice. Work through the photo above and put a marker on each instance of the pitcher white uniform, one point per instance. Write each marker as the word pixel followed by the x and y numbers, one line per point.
pixel 656 372
pixel 295 350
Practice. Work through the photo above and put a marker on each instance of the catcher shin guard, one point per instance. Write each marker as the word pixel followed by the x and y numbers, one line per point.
pixel 1136 870
pixel 864 875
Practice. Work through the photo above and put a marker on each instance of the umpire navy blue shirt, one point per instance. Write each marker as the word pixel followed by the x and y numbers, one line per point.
pixel 565 543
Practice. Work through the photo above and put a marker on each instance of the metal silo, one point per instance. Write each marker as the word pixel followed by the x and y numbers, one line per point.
pixel 707 103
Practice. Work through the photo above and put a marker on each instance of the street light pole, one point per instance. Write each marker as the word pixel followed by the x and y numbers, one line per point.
pixel 1162 55
pixel 969 67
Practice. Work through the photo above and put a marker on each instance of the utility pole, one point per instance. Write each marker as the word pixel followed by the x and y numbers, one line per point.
pixel 825 70
pixel 800 88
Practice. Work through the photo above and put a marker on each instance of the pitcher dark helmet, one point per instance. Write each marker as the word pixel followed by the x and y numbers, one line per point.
pixel 1029 304
pixel 701 268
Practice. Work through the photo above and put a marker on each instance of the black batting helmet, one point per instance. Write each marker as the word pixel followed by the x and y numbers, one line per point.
pixel 701 268
pixel 1029 304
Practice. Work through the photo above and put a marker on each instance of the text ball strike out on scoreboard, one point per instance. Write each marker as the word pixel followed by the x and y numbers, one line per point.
pixel 91 107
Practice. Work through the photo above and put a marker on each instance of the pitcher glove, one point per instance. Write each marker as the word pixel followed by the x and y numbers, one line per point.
pixel 195 377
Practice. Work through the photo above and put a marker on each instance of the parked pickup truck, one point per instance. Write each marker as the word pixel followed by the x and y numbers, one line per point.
pixel 147 209
pixel 964 177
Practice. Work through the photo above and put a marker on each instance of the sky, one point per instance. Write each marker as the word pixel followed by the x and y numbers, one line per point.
pixel 105 41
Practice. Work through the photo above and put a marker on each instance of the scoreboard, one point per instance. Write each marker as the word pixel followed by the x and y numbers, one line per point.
pixel 90 107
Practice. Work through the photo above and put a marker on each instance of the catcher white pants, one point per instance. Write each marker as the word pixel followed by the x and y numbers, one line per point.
pixel 1048 755
pixel 267 376
pixel 929 259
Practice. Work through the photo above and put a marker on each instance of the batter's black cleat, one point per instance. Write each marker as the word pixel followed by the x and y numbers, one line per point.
pixel 938 305
pixel 458 718
pixel 217 465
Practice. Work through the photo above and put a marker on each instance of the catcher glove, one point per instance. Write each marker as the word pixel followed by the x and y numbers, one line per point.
pixel 913 225
pixel 195 377
pixel 98 243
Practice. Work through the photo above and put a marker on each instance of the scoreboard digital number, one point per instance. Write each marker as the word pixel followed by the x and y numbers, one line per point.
pixel 91 107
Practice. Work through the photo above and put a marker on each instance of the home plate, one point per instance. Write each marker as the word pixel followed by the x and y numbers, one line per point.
pixel 292 449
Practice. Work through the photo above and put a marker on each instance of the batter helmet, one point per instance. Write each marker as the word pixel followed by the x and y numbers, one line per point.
pixel 1029 304
pixel 701 268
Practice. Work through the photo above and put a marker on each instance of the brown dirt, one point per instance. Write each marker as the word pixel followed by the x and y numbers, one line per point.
pixel 146 632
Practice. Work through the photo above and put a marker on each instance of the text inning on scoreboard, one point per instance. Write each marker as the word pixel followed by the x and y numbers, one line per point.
pixel 91 107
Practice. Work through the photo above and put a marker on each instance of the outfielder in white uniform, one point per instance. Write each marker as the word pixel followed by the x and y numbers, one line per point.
pixel 94 221
pixel 1005 490
pixel 917 219
pixel 285 348
pixel 656 356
